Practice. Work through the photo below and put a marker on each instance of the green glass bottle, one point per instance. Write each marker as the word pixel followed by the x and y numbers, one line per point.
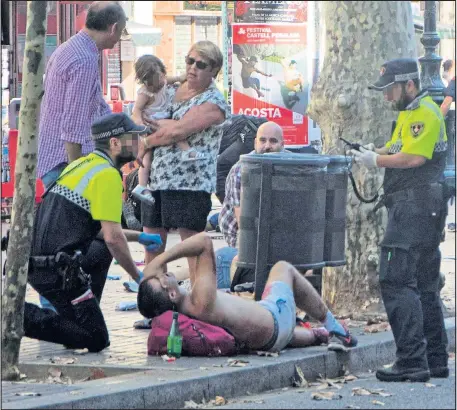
pixel 174 340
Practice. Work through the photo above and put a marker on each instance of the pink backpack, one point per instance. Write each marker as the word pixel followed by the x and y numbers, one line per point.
pixel 198 338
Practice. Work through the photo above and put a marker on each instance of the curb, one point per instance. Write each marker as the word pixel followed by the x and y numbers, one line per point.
pixel 143 390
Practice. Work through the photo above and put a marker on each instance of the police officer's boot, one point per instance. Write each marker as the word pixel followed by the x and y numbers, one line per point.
pixel 398 374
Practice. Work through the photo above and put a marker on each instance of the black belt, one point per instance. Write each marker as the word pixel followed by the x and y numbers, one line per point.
pixel 61 259
pixel 434 190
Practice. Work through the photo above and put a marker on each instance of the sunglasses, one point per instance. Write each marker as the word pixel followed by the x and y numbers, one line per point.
pixel 201 65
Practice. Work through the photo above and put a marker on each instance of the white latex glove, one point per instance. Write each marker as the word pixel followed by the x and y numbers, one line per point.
pixel 365 157
pixel 369 147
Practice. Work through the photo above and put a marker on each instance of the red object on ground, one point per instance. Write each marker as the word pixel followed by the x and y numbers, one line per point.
pixel 8 187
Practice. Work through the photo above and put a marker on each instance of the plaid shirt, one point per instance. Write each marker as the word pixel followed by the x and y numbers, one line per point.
pixel 72 101
pixel 227 219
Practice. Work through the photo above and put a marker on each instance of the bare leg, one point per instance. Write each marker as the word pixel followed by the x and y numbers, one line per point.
pixel 149 256
pixel 306 297
pixel 302 337
pixel 192 261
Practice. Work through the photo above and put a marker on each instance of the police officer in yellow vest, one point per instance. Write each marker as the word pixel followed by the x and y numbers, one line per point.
pixel 414 160
pixel 84 203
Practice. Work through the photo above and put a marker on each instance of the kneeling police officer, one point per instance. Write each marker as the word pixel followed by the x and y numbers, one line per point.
pixel 81 207
pixel 409 273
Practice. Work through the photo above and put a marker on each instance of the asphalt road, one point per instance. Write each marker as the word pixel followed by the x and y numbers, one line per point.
pixel 436 394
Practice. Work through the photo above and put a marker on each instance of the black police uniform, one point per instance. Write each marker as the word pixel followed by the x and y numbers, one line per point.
pixel 410 257
pixel 69 265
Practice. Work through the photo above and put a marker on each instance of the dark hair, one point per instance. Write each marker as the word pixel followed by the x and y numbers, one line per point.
pixel 152 303
pixel 147 65
pixel 101 15
pixel 102 144
pixel 447 65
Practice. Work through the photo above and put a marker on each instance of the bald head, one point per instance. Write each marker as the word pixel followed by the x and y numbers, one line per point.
pixel 105 21
pixel 269 138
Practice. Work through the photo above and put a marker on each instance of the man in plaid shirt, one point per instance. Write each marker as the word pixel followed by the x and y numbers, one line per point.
pixel 73 100
pixel 269 138
pixel 73 97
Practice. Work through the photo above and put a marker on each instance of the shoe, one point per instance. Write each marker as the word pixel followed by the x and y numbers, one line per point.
pixel 144 194
pixel 395 374
pixel 441 372
pixel 143 324
pixel 451 227
pixel 341 343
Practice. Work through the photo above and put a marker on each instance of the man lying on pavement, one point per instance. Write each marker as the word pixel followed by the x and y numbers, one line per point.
pixel 267 325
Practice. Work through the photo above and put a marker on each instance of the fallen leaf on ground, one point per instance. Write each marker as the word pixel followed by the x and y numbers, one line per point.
pixel 350 378
pixel 54 372
pixel 237 363
pixel 268 354
pixel 351 406
pixel 381 327
pixel 80 352
pixel 220 401
pixel 358 391
pixel 301 381
pixel 62 360
pixel 191 405
pixel 28 394
pixel 332 382
pixel 329 395
pixel 378 403
pixel 430 385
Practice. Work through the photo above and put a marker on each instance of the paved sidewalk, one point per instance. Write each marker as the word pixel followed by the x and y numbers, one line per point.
pixel 188 377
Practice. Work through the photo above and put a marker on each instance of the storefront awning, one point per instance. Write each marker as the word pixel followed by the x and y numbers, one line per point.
pixel 142 35
pixel 444 31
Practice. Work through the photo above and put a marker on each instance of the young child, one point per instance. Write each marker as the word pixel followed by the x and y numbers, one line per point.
pixel 153 102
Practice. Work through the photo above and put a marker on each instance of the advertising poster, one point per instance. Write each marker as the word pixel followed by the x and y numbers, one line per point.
pixel 270 76
pixel 271 11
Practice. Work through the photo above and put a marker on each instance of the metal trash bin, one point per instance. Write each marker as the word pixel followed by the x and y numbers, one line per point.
pixel 283 198
pixel 335 210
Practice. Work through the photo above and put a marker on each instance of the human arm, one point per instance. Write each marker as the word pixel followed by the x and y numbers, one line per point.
pixel 77 106
pixel 176 79
pixel 204 288
pixel 446 105
pixel 141 101
pixel 261 72
pixel 195 120
pixel 116 242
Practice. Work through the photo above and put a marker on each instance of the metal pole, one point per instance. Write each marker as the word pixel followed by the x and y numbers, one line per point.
pixel 431 62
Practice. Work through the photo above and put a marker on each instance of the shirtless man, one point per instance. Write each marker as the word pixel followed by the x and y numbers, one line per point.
pixel 292 77
pixel 267 325
pixel 247 68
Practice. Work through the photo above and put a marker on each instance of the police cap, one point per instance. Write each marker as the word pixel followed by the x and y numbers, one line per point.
pixel 395 71
pixel 114 125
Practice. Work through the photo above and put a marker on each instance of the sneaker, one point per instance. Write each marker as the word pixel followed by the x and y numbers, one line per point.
pixel 342 343
pixel 143 194
pixel 192 155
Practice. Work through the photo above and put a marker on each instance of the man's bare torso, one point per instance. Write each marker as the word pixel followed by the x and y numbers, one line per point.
pixel 245 319
pixel 246 70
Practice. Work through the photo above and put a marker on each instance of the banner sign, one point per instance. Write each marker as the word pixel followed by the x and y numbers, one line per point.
pixel 271 11
pixel 270 76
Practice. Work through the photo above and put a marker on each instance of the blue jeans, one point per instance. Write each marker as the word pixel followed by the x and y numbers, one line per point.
pixel 224 258
pixel 47 180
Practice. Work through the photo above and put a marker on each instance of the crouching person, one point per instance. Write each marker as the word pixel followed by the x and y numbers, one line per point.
pixel 84 203
pixel 268 325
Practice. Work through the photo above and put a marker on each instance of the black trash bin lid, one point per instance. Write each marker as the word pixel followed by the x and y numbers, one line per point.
pixel 287 158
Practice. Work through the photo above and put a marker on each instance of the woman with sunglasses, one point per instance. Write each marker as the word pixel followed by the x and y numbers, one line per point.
pixel 182 189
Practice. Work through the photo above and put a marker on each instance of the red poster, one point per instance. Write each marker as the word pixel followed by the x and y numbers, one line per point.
pixel 269 76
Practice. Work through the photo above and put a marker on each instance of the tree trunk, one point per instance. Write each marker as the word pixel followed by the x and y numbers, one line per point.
pixel 24 191
pixel 360 36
